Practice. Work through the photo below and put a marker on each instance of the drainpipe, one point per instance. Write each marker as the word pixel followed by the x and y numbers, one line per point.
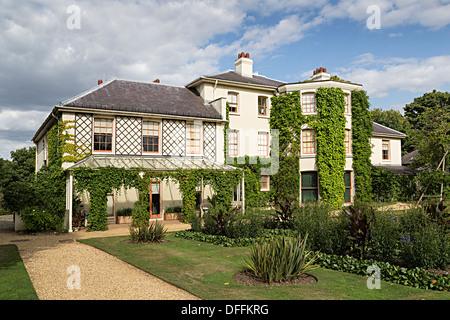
pixel 214 90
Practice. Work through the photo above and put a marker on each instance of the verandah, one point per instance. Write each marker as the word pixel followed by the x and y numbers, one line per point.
pixel 100 175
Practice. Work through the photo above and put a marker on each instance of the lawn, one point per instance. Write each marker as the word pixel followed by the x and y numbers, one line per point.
pixel 206 270
pixel 15 284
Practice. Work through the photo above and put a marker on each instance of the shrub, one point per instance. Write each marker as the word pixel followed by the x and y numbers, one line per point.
pixel 245 226
pixel 124 212
pixel 361 219
pixel 384 243
pixel 423 241
pixel 155 232
pixel 37 219
pixel 280 258
pixel 326 231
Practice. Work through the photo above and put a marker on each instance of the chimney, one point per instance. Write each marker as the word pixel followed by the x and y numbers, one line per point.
pixel 320 74
pixel 156 81
pixel 100 81
pixel 244 65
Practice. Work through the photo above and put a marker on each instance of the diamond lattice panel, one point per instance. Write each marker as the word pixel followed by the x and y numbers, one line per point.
pixel 174 138
pixel 128 135
pixel 83 133
pixel 209 140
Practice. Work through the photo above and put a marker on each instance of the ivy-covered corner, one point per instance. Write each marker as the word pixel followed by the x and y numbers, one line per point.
pixel 362 128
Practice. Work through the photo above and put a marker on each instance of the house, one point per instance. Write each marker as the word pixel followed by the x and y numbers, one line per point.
pixel 128 123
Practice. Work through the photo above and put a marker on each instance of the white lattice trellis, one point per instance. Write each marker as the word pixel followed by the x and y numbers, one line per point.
pixel 209 140
pixel 174 138
pixel 83 133
pixel 128 135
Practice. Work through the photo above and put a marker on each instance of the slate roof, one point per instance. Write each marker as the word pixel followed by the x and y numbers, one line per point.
pixel 142 97
pixel 235 77
pixel 400 170
pixel 408 158
pixel 379 129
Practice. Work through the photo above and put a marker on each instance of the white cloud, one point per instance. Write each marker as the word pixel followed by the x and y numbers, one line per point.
pixel 433 14
pixel 381 76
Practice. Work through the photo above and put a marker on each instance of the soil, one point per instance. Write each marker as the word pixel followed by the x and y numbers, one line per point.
pixel 249 279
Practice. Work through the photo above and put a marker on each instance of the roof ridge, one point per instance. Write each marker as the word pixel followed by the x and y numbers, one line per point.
pixel 85 93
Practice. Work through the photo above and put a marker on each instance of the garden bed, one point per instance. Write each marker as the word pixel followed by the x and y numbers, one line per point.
pixel 248 278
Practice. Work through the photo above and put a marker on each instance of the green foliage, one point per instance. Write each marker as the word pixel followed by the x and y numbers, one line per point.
pixel 218 217
pixel 414 277
pixel 155 232
pixel 280 258
pixel 424 242
pixel 362 128
pixel 384 237
pixel 37 219
pixel 387 186
pixel 124 212
pixel 330 136
pixel 17 180
pixel 431 100
pixel 326 231
pixel 286 116
pixel 360 226
pixel 99 183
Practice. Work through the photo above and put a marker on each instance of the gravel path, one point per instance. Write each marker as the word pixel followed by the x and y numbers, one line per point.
pixel 47 258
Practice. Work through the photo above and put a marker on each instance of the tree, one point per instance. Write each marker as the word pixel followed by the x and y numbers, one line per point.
pixel 16 179
pixel 429 116
pixel 431 100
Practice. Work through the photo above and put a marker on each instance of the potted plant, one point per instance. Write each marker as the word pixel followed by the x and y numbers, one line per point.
pixel 124 215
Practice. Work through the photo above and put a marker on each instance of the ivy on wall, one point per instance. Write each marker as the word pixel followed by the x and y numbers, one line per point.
pixel 362 147
pixel 330 136
pixel 61 144
pixel 99 182
pixel 286 116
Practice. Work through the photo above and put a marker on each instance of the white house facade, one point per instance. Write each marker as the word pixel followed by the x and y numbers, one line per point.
pixel 124 123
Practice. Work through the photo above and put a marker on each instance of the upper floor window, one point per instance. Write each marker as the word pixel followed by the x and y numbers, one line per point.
pixel 193 138
pixel 385 149
pixel 262 106
pixel 347 141
pixel 233 137
pixel 103 131
pixel 265 182
pixel 308 103
pixel 308 141
pixel 233 102
pixel 150 136
pixel 347 103
pixel 263 144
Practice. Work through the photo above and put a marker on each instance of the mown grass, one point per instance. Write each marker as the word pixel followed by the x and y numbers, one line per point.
pixel 207 270
pixel 15 284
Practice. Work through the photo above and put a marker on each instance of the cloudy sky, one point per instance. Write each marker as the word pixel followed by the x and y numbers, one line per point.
pixel 52 50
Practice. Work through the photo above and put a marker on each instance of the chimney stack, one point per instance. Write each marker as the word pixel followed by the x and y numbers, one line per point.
pixel 100 81
pixel 320 74
pixel 244 65
pixel 156 81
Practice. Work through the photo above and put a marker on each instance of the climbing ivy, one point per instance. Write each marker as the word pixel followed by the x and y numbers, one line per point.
pixel 99 182
pixel 330 136
pixel 286 116
pixel 61 144
pixel 362 148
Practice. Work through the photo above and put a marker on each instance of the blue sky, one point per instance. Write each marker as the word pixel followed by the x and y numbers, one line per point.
pixel 44 61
